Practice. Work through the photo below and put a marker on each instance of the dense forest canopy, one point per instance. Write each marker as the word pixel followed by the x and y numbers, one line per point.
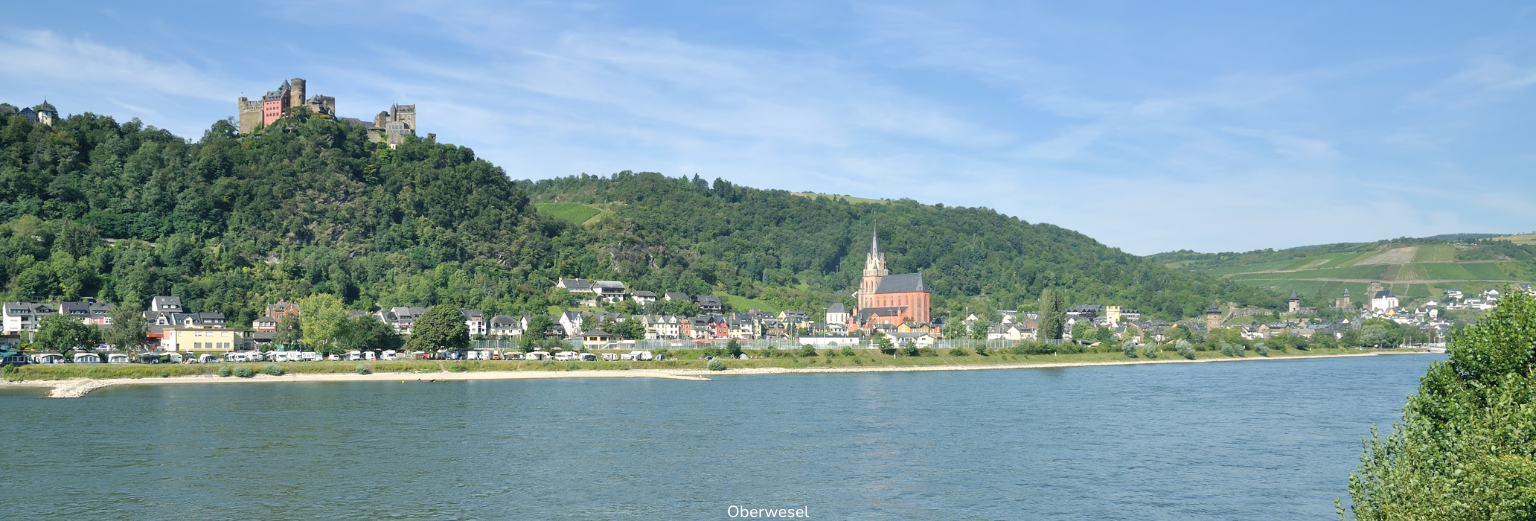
pixel 122 212
pixel 668 231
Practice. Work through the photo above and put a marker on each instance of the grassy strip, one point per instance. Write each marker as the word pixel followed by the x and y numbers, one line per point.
pixel 863 358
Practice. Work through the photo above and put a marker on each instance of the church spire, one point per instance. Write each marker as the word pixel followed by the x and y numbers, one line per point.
pixel 874 242
pixel 874 264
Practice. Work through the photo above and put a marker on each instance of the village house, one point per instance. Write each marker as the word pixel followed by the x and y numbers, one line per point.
pixel 643 297
pixel 23 316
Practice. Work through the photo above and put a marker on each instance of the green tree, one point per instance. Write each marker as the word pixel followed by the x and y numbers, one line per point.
pixel 290 331
pixel 369 333
pixel 62 333
pixel 1053 314
pixel 324 321
pixel 537 325
pixel 908 348
pixel 980 328
pixel 1084 330
pixel 129 330
pixel 1462 450
pixel 441 327
pixel 733 348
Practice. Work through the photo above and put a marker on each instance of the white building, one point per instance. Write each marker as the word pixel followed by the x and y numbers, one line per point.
pixel 24 316
pixel 837 313
pixel 1383 300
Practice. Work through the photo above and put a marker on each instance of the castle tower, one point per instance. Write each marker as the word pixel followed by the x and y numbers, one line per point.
pixel 1213 318
pixel 404 114
pixel 1294 304
pixel 874 268
pixel 296 92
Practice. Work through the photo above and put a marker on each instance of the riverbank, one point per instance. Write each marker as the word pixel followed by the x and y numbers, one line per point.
pixel 69 381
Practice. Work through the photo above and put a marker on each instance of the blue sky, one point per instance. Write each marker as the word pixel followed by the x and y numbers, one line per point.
pixel 1151 126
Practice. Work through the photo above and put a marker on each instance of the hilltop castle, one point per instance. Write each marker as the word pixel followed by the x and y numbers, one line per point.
pixel 885 299
pixel 389 126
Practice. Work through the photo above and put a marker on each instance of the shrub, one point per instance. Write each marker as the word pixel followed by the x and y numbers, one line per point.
pixel 1149 350
pixel 927 351
pixel 1129 348
pixel 848 351
pixel 1227 349
pixel 1261 349
pixel 225 371
pixel 1185 349
pixel 982 350
pixel 807 350
pixel 710 351
pixel 1240 349
pixel 272 369
pixel 909 349
pixel 959 351
pixel 167 374
pixel 242 372
pixel 716 364
pixel 831 353
pixel 363 369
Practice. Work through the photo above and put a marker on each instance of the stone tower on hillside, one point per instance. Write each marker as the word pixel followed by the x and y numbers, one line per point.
pixel 1213 318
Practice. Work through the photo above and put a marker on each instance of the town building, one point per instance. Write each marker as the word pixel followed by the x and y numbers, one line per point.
pixel 886 299
pixel 23 316
pixel 205 340
pixel 1383 300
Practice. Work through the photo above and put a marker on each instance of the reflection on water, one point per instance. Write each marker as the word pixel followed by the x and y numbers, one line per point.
pixel 1255 440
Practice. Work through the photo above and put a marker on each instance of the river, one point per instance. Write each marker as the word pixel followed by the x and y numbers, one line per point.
pixel 1258 440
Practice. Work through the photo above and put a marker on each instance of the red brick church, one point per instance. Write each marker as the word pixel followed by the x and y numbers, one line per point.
pixel 886 299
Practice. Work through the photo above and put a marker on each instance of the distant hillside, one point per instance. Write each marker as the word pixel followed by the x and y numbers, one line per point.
pixel 92 208
pixel 774 249
pixel 1417 268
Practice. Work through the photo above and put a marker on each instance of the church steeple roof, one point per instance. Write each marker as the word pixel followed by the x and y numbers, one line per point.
pixel 874 241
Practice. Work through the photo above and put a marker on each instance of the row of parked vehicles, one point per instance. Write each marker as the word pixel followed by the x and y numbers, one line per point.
pixel 308 356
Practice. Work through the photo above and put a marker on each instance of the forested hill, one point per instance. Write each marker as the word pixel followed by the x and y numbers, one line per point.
pixel 122 212
pixel 798 250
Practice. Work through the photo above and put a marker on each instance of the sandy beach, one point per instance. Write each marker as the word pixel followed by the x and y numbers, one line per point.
pixel 78 387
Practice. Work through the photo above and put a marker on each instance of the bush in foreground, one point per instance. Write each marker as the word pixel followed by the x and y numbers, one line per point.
pixel 1463 448
pixel 272 369
pixel 1129 348
pixel 244 372
pixel 363 369
pixel 1185 349
pixel 716 364
pixel 807 350
pixel 225 371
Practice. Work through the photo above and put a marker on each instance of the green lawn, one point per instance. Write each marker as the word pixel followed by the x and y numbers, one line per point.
pixel 571 212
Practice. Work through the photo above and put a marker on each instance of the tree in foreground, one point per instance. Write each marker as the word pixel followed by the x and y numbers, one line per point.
pixel 324 323
pixel 1464 448
pixel 441 327
pixel 61 333
pixel 129 329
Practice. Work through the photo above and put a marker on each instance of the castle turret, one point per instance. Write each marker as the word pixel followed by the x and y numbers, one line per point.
pixel 296 92
pixel 1294 304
